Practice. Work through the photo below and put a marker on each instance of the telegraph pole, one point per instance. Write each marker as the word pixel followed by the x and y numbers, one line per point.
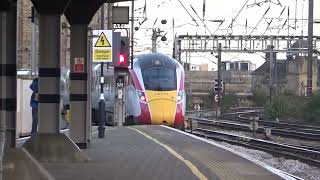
pixel 310 49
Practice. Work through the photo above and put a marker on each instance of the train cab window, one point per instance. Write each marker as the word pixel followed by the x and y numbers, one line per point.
pixel 159 79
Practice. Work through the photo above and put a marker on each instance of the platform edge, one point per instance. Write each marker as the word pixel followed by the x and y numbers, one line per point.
pixel 275 171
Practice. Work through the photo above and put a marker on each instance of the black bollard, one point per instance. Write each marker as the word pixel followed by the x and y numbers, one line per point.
pixel 190 121
pixel 102 119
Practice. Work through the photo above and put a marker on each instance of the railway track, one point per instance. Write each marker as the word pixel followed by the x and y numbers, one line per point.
pixel 284 125
pixel 243 117
pixel 240 121
pixel 230 110
pixel 296 134
pixel 301 153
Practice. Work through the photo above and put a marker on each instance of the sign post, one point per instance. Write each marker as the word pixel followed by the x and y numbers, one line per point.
pixel 102 53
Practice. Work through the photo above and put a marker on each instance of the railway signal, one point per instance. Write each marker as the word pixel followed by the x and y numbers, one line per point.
pixel 218 86
pixel 123 57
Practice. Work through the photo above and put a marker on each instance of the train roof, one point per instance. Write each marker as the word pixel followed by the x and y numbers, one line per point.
pixel 157 59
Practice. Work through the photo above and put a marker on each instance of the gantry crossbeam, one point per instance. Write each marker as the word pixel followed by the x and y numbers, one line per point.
pixel 242 44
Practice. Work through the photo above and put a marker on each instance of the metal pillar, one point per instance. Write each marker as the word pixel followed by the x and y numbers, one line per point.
pixel 272 62
pixel 49 73
pixel 78 84
pixel 219 75
pixel 154 40
pixel 132 32
pixel 8 82
pixel 119 111
pixel 310 49
pixel 271 69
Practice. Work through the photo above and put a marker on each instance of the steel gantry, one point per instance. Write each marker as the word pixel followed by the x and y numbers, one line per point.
pixel 291 45
pixel 241 44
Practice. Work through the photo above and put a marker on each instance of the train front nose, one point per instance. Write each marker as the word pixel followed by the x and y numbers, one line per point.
pixel 162 111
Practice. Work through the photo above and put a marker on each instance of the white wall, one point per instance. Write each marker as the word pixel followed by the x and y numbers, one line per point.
pixel 24 116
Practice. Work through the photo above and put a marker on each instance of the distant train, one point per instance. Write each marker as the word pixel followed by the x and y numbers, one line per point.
pixel 157 93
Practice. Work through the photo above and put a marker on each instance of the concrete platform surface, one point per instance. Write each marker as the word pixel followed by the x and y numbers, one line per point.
pixel 156 153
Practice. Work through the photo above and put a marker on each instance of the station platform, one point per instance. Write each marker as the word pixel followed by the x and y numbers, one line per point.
pixel 158 152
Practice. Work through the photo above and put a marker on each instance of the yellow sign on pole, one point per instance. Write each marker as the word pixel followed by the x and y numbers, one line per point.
pixel 100 55
pixel 102 46
pixel 102 41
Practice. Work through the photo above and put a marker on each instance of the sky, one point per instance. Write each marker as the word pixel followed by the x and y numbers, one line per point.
pixel 240 12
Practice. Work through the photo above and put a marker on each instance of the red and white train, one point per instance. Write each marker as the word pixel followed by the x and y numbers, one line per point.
pixel 157 92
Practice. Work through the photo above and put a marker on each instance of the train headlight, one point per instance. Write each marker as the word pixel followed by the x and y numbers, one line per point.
pixel 142 96
pixel 180 96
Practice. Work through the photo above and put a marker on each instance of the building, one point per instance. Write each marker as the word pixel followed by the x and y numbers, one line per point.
pixel 290 76
pixel 238 66
pixel 194 67
pixel 200 86
pixel 204 67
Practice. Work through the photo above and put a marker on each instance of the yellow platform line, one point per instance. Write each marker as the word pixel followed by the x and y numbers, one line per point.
pixel 191 166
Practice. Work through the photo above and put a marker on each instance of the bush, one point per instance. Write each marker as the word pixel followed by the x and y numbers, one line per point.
pixel 312 108
pixel 260 98
pixel 228 101
pixel 296 107
pixel 284 106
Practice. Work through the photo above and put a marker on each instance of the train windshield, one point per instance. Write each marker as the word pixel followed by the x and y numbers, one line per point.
pixel 159 79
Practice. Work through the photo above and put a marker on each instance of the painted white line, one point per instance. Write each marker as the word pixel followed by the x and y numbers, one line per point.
pixel 278 172
pixel 189 164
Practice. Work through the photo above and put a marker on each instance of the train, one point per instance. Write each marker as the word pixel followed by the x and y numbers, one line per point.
pixel 156 91
pixel 154 94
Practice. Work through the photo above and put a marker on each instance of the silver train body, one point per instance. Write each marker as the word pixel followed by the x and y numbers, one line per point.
pixel 95 88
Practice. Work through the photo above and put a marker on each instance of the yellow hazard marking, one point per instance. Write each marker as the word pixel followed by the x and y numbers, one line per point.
pixel 102 41
pixel 103 55
pixel 189 164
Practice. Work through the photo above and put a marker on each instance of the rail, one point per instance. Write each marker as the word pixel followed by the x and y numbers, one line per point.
pixel 308 156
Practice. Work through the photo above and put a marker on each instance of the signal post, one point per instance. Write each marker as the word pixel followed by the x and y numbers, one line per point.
pixel 120 63
pixel 121 60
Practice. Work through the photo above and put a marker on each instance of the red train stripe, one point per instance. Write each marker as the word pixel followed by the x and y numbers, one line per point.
pixel 182 82
pixel 179 119
pixel 144 117
pixel 135 80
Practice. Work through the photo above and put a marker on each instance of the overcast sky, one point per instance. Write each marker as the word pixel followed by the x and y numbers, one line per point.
pixel 225 10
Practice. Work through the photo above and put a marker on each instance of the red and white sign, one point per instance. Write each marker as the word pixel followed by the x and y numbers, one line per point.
pixel 78 65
